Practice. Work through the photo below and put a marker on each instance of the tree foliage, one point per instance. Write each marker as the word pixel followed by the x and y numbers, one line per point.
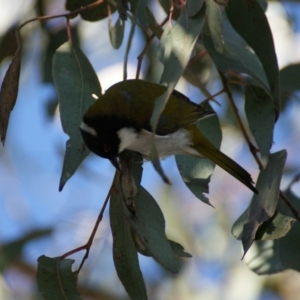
pixel 230 39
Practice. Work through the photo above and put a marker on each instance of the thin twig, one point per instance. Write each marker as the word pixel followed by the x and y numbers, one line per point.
pixel 67 15
pixel 89 243
pixel 290 206
pixel 143 52
pixel 252 148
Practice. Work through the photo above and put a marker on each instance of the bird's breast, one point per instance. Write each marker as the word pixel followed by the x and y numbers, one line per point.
pixel 178 142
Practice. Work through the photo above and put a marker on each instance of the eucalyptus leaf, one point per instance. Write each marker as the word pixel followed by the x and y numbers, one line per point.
pixel 76 82
pixel 214 22
pixel 116 32
pixel 260 114
pixel 97 13
pixel 196 172
pixel 124 250
pixel 236 57
pixel 56 280
pixel 154 26
pixel 249 20
pixel 269 257
pixel 149 225
pixel 263 205
pixel 9 92
pixel 289 82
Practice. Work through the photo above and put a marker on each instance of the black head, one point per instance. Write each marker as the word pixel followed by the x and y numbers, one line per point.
pixel 100 135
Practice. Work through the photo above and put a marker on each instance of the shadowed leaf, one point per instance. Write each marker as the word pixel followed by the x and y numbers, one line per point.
pixel 260 114
pixel 196 172
pixel 57 280
pixel 248 19
pixel 124 250
pixel 9 93
pixel 263 205
pixel 76 82
pixel 149 225
pixel 116 32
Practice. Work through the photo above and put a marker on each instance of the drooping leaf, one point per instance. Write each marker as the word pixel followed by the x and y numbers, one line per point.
pixel 196 172
pixel 9 93
pixel 56 280
pixel 270 257
pixel 214 22
pixel 154 26
pixel 177 44
pixel 263 205
pixel 179 250
pixel 166 5
pixel 248 19
pixel 97 13
pixel 116 32
pixel 236 57
pixel 289 82
pixel 260 114
pixel 76 82
pixel 124 250
pixel 193 7
pixel 149 225
pixel 8 43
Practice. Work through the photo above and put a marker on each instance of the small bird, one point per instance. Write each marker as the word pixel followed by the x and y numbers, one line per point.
pixel 120 119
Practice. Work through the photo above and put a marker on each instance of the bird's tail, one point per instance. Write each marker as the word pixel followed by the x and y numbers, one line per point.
pixel 208 150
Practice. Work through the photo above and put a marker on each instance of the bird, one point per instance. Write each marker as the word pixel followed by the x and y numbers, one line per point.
pixel 120 120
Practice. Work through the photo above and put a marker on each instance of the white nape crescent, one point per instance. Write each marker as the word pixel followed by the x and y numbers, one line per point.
pixel 88 129
pixel 178 142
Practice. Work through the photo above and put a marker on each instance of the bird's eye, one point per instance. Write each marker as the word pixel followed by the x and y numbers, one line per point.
pixel 106 148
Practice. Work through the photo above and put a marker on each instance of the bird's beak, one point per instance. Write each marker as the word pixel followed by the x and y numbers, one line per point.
pixel 115 163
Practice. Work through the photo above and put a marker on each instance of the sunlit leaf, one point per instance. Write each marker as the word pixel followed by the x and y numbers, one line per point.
pixel 124 250
pixel 249 20
pixel 9 93
pixel 149 225
pixel 56 280
pixel 154 26
pixel 260 114
pixel 76 82
pixel 214 22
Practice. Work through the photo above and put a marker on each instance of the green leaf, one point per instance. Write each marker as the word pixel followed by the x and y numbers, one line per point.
pixel 95 14
pixel 289 82
pixel 149 225
pixel 116 32
pixel 179 250
pixel 249 20
pixel 76 82
pixel 177 44
pixel 269 257
pixel 154 26
pixel 193 7
pixel 214 22
pixel 236 57
pixel 196 172
pixel 9 92
pixel 260 114
pixel 263 205
pixel 56 280
pixel 124 250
